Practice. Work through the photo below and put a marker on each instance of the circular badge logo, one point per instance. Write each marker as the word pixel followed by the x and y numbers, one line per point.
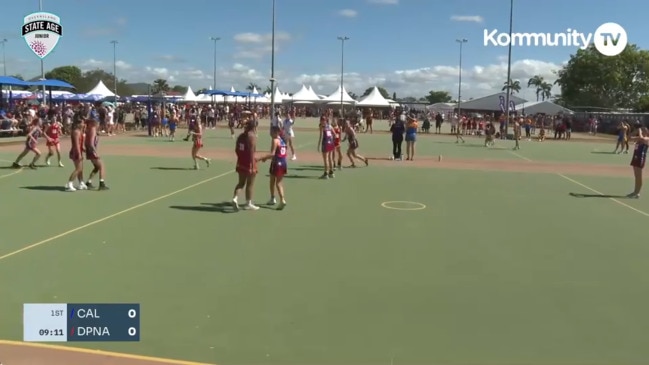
pixel 610 39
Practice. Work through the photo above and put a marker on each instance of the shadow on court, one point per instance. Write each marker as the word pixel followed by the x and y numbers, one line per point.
pixel 578 195
pixel 603 152
pixel 8 168
pixel 223 207
pixel 301 176
pixel 307 168
pixel 172 168
pixel 44 188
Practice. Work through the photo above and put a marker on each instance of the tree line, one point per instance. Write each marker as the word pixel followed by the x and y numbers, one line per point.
pixel 588 81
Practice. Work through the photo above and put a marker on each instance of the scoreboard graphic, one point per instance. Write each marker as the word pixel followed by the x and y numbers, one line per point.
pixel 83 322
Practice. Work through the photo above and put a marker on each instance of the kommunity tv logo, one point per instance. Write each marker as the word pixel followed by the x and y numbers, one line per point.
pixel 609 39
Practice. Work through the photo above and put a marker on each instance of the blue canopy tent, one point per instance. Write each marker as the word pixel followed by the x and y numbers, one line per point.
pixel 49 84
pixel 10 81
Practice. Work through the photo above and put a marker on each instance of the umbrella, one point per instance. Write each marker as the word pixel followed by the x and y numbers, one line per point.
pixel 107 103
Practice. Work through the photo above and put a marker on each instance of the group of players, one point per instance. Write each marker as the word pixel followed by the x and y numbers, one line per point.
pixel 331 136
pixel 83 138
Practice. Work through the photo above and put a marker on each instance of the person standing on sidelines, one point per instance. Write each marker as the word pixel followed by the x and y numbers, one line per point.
pixel 278 167
pixel 287 127
pixel 397 129
pixel 517 133
pixel 639 158
pixel 458 131
pixel 275 121
pixel 245 148
pixel 411 137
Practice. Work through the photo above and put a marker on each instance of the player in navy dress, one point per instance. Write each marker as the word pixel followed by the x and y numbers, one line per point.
pixel 31 144
pixel 278 166
pixel 638 160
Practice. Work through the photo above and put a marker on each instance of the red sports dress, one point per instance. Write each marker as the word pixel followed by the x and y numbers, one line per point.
pixel 244 158
pixel 53 132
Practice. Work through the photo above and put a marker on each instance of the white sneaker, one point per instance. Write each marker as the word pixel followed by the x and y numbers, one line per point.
pixel 235 203
pixel 61 164
pixel 281 205
pixel 250 206
pixel 272 201
pixel 47 162
pixel 294 158
pixel 82 186
pixel 633 196
pixel 207 162
pixel 70 187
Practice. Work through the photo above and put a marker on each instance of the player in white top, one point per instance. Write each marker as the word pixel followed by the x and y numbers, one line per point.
pixel 111 121
pixel 287 128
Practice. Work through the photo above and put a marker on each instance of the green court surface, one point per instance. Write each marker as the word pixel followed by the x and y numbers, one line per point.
pixel 495 268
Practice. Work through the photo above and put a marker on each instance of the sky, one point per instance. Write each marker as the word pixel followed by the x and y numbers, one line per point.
pixel 407 46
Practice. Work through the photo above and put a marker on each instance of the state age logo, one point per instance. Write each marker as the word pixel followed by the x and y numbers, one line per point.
pixel 42 32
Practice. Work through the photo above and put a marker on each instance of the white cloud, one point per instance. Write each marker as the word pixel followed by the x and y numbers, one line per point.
pixel 249 37
pixel 384 2
pixel 169 58
pixel 477 81
pixel 348 13
pixel 467 18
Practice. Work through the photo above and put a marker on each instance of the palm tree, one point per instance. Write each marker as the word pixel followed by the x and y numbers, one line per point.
pixel 514 86
pixel 268 90
pixel 536 81
pixel 160 85
pixel 252 86
pixel 546 91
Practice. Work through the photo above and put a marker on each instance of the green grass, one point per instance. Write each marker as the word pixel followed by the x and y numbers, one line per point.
pixel 500 268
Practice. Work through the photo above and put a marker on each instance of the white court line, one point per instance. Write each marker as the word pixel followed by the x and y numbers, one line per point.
pixel 519 156
pixel 100 220
pixel 11 174
pixel 148 202
pixel 589 188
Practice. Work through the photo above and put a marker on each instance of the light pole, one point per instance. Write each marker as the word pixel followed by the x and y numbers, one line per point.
pixel 114 68
pixel 342 40
pixel 459 83
pixel 40 8
pixel 214 40
pixel 272 67
pixel 4 56
pixel 4 68
pixel 509 66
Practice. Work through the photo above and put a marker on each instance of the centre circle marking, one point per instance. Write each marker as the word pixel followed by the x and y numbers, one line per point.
pixel 405 205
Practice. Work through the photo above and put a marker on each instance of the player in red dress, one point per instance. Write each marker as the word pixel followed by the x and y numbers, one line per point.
pixel 53 131
pixel 31 144
pixel 76 155
pixel 91 141
pixel 197 143
pixel 278 166
pixel 245 148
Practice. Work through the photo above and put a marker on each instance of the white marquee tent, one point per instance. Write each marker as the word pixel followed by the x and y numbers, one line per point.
pixel 305 96
pixel 374 99
pixel 335 97
pixel 101 89
pixel 542 107
pixel 490 102
pixel 189 95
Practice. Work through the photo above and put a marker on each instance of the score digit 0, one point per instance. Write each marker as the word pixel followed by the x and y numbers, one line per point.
pixel 132 331
pixel 132 313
